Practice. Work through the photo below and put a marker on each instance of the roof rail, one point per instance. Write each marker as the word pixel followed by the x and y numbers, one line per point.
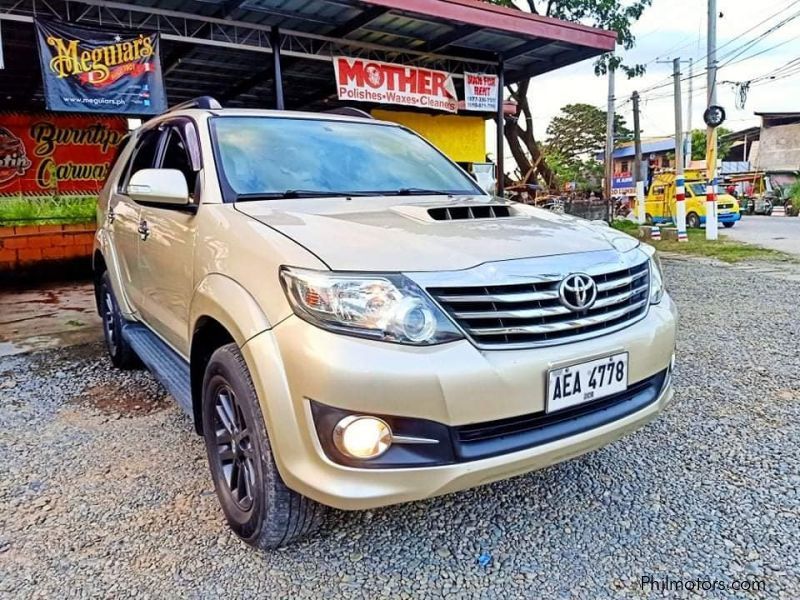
pixel 206 102
pixel 349 111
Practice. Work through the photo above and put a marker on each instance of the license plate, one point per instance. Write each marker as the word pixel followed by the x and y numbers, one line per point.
pixel 584 382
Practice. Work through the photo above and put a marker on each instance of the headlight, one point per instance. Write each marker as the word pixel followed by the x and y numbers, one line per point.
pixel 387 307
pixel 656 276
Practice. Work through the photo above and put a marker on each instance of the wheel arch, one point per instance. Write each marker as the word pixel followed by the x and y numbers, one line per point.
pixel 221 312
pixel 104 258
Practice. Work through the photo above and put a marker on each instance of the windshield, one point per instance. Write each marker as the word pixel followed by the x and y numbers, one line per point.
pixel 284 157
pixel 697 189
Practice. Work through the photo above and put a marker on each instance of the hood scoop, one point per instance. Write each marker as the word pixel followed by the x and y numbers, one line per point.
pixel 478 211
pixel 458 211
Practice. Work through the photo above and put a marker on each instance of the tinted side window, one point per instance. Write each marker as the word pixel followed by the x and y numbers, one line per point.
pixel 177 157
pixel 143 157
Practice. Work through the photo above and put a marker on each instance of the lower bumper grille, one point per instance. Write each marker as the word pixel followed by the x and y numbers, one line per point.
pixel 483 440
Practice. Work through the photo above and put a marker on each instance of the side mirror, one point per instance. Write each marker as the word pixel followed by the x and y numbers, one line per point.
pixel 159 186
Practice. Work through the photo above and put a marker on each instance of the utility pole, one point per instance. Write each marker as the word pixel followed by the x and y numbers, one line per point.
pixel 610 137
pixel 637 160
pixel 687 155
pixel 680 190
pixel 711 132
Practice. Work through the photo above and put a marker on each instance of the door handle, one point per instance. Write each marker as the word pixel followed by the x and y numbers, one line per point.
pixel 144 230
pixel 111 216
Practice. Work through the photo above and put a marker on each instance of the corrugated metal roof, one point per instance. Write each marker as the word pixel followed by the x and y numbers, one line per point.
pixel 236 68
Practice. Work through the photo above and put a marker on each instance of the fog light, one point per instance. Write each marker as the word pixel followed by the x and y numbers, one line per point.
pixel 362 437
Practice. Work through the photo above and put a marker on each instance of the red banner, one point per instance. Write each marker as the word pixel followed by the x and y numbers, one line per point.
pixel 43 154
pixel 362 80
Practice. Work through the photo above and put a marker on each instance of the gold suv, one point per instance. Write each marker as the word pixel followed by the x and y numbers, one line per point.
pixel 350 321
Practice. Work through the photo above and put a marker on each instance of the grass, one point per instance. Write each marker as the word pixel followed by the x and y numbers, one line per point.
pixel 626 226
pixel 47 210
pixel 723 249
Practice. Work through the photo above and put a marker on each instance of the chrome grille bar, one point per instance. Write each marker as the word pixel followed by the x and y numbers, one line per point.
pixel 559 325
pixel 512 297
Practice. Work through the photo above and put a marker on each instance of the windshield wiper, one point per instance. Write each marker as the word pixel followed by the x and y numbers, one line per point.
pixel 288 194
pixel 415 191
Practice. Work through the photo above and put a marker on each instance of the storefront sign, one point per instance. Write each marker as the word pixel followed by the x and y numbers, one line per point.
pixel 360 80
pixel 43 154
pixel 480 92
pixel 622 183
pixel 94 71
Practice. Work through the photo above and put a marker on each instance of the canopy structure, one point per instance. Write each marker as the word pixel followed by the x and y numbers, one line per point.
pixel 278 53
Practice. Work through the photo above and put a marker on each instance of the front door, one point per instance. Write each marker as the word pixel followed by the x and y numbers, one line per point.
pixel 166 251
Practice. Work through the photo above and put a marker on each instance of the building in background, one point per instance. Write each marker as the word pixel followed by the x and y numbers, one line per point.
pixel 657 153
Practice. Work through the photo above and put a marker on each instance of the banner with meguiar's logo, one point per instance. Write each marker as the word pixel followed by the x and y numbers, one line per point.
pixel 85 70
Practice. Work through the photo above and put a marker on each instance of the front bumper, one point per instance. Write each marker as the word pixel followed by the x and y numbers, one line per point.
pixel 731 217
pixel 453 384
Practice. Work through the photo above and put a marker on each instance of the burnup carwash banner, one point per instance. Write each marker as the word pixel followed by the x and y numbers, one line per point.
pixel 43 153
pixel 85 70
pixel 362 80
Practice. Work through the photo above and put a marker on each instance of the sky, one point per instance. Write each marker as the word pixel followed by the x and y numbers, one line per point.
pixel 677 29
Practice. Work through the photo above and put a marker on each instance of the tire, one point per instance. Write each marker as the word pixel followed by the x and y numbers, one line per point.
pixel 259 507
pixel 692 221
pixel 121 354
pixel 648 219
pixel 728 225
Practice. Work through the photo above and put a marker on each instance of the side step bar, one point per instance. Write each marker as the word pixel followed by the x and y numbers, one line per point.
pixel 171 370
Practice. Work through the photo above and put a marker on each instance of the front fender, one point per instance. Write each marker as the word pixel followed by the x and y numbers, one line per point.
pixel 220 298
pixel 103 244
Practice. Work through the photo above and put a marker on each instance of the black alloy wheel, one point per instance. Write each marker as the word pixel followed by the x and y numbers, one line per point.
pixel 258 506
pixel 235 450
pixel 121 354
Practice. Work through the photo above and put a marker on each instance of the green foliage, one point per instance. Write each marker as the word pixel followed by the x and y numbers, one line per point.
pixel 699 143
pixel 626 226
pixel 579 131
pixel 42 210
pixel 574 136
pixel 617 15
pixel 793 195
pixel 587 173
pixel 723 249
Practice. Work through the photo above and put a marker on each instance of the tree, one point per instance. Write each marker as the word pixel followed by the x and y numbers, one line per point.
pixel 579 131
pixel 574 137
pixel 586 173
pixel 618 15
pixel 699 143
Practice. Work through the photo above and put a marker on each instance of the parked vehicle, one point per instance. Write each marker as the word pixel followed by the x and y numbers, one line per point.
pixel 351 321
pixel 755 191
pixel 660 201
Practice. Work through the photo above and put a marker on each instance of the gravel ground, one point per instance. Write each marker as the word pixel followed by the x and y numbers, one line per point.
pixel 105 489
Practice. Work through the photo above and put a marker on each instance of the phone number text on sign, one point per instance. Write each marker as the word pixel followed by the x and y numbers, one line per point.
pixel 480 91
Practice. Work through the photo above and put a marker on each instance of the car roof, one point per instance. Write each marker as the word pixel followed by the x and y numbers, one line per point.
pixel 281 114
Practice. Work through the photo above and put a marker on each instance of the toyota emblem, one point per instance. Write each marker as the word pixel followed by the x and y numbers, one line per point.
pixel 577 291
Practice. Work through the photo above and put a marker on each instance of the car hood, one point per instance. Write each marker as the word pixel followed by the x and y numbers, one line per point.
pixel 397 233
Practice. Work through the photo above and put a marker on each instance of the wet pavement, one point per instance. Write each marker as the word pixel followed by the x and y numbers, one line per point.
pixel 49 316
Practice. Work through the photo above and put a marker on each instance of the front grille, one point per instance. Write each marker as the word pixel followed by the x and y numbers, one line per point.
pixel 531 314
